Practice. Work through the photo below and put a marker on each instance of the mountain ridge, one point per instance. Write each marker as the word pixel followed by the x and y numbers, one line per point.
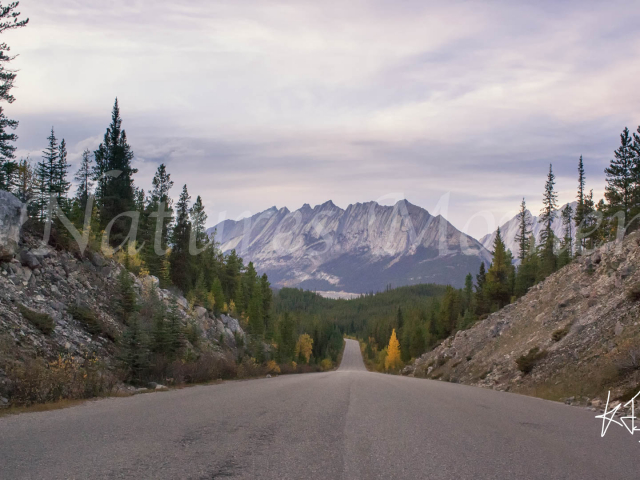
pixel 361 248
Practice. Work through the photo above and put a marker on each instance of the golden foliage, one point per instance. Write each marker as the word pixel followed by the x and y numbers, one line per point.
pixel 393 361
pixel 304 347
pixel 272 367
pixel 326 364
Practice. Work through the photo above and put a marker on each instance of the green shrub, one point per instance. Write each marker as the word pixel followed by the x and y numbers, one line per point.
pixel 91 322
pixel 85 316
pixel 41 321
pixel 527 362
pixel 560 333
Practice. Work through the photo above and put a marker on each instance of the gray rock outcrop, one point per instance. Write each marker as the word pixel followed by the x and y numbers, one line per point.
pixel 13 214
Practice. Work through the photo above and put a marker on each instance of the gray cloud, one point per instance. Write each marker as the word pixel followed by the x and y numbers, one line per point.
pixel 260 103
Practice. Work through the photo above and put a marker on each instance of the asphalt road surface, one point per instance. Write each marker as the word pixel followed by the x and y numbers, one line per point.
pixel 347 424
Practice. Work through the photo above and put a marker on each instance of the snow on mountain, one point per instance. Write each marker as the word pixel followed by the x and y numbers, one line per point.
pixel 359 249
pixel 509 230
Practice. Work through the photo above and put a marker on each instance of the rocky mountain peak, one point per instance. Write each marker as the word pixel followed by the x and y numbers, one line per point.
pixel 361 248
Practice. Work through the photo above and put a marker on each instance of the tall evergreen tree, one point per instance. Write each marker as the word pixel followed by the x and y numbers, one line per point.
pixel 8 20
pixel 198 221
pixel 62 185
pixel 180 260
pixel 46 173
pixel 580 209
pixel 481 280
pixel 23 182
pixel 267 302
pixel 156 231
pixel 468 292
pixel 547 215
pixel 528 270
pixel 83 177
pixel 497 283
pixel 566 250
pixel 115 194
pixel 620 190
pixel 524 230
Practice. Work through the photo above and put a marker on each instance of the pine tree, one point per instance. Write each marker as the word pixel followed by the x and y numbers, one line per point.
pixel 399 319
pixel 8 21
pixel 547 215
pixel 481 279
pixel 580 207
pixel 418 345
pixel 566 250
pixel 135 353
pixel 524 230
pixel 23 184
pixel 198 221
pixel 180 260
pixel 393 360
pixel 126 304
pixel 254 311
pixel 156 233
pixel 620 190
pixel 115 192
pixel 497 283
pixel 528 270
pixel 218 295
pixel 84 179
pixel 62 185
pixel 287 338
pixel 468 291
pixel 46 175
pixel 267 302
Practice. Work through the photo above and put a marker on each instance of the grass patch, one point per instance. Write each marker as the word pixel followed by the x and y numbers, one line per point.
pixel 528 361
pixel 41 321
pixel 560 333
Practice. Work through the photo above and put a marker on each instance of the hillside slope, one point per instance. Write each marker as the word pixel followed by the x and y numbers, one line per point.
pixel 362 248
pixel 42 289
pixel 584 319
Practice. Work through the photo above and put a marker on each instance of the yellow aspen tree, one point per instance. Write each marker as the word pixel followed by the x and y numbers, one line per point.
pixel 304 347
pixel 393 362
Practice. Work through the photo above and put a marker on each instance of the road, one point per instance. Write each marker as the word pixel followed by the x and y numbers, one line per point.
pixel 346 424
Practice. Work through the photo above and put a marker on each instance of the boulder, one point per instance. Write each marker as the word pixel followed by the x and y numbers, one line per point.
pixel 97 260
pixel 28 259
pixel 231 323
pixel 13 214
pixel 182 302
pixel 200 312
pixel 150 282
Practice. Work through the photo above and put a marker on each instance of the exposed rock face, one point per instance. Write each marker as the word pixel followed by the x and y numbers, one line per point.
pixel 13 214
pixel 49 282
pixel 584 319
pixel 363 248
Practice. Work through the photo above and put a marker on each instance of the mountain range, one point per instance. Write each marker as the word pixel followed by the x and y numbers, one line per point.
pixel 365 247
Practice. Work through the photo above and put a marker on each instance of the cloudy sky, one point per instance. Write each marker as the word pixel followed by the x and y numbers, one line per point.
pixel 260 103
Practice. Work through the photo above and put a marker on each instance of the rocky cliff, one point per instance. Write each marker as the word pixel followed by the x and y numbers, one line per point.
pixel 362 248
pixel 40 288
pixel 573 337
